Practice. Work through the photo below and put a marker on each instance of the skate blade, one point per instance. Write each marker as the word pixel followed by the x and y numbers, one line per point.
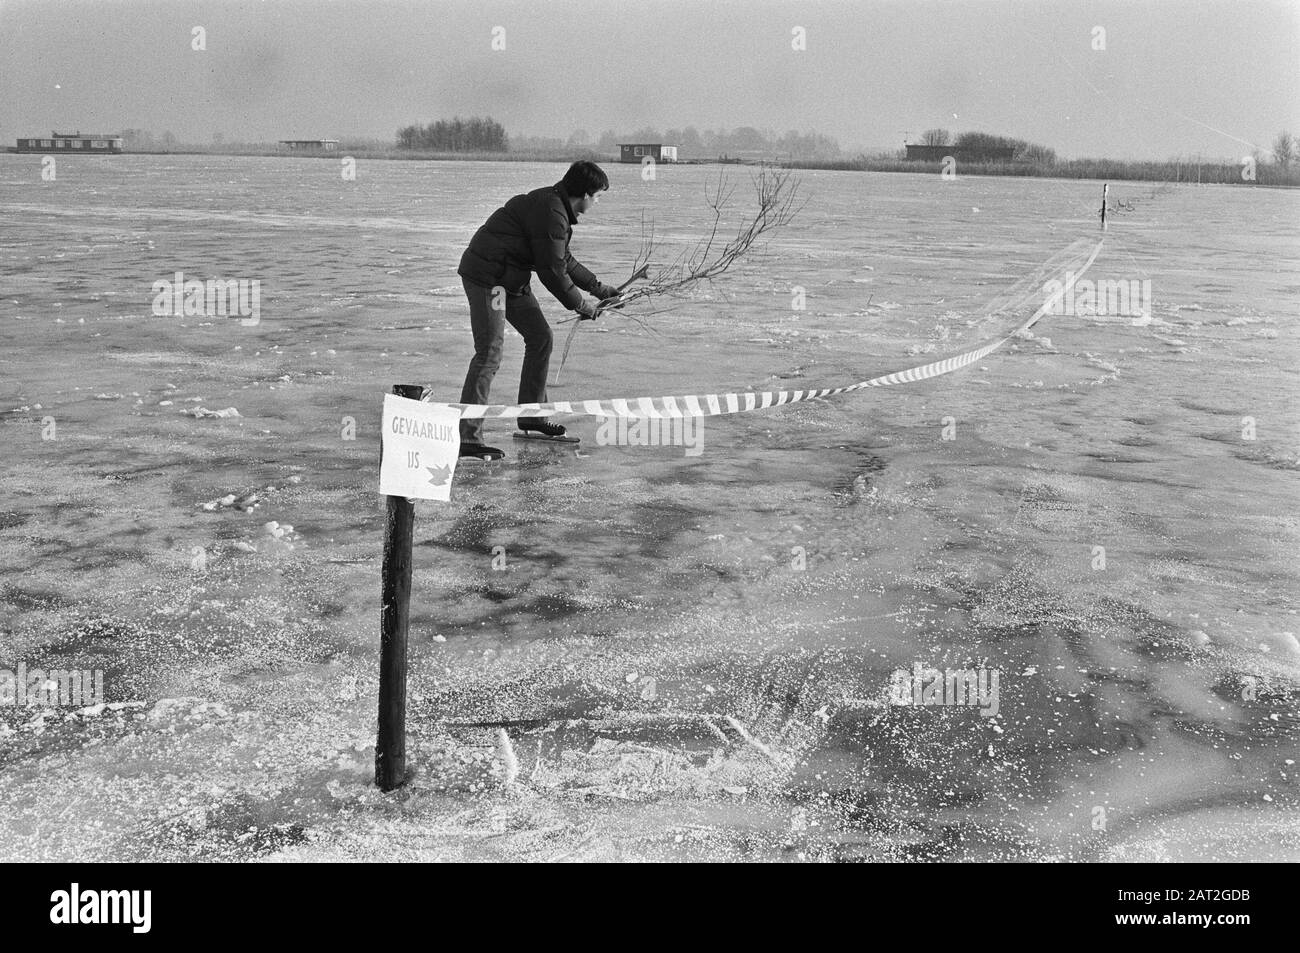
pixel 530 435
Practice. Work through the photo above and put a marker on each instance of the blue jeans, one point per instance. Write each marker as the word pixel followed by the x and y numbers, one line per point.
pixel 489 327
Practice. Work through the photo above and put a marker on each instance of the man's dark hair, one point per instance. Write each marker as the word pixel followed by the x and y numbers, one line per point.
pixel 584 177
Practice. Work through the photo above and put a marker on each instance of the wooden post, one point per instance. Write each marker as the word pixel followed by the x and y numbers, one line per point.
pixel 1105 190
pixel 394 621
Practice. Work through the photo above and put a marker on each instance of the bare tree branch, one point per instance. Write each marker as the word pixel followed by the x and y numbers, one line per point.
pixel 777 193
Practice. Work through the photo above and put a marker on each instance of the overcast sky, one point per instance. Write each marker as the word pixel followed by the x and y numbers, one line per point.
pixel 1175 78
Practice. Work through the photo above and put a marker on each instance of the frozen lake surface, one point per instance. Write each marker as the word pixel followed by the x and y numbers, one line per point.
pixel 1103 513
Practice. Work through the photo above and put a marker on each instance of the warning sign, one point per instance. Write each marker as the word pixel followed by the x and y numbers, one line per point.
pixel 421 444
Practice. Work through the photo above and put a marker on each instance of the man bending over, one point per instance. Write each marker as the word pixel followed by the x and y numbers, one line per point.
pixel 529 233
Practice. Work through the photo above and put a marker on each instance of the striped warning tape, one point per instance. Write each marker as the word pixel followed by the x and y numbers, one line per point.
pixel 713 405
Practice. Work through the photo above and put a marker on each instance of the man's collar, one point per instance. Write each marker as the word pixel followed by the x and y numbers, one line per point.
pixel 568 206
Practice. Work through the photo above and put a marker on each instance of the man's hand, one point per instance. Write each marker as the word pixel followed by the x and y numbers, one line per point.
pixel 586 311
pixel 605 292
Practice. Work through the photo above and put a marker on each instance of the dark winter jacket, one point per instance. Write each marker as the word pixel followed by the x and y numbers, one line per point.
pixel 530 233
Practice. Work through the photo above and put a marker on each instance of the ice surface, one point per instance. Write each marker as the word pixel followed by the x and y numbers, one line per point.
pixel 1160 689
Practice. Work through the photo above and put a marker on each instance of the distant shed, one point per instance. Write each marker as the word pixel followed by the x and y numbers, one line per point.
pixel 310 145
pixel 84 143
pixel 639 151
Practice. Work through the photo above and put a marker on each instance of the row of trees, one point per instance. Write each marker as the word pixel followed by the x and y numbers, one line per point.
pixel 1286 148
pixel 694 144
pixel 487 135
pixel 142 140
pixel 457 135
pixel 1021 150
pixel 691 143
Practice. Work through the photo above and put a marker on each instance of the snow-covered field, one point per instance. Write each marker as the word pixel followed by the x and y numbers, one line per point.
pixel 699 647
